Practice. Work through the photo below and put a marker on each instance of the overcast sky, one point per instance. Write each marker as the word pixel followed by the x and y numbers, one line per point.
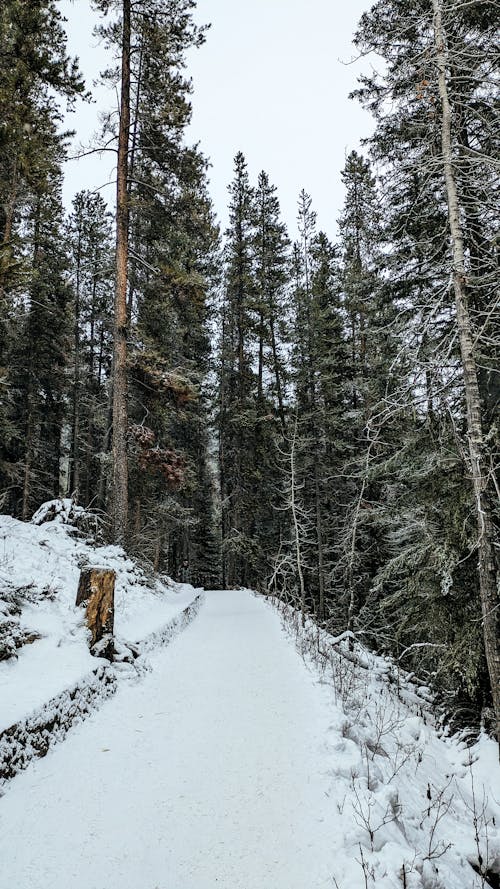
pixel 272 80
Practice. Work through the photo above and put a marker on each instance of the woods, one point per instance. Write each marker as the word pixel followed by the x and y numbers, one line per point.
pixel 310 414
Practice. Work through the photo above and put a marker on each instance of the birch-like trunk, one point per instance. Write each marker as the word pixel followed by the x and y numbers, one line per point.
pixel 296 526
pixel 74 478
pixel 120 416
pixel 319 538
pixel 477 451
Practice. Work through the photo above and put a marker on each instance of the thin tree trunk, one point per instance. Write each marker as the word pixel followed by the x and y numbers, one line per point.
pixel 319 540
pixel 101 357
pixel 260 374
pixel 28 453
pixel 25 514
pixel 156 561
pixel 9 208
pixel 351 586
pixel 92 389
pixel 131 170
pixel 222 466
pixel 279 390
pixel 102 495
pixel 315 444
pixel 74 479
pixel 296 528
pixel 480 469
pixel 5 247
pixel 137 518
pixel 120 418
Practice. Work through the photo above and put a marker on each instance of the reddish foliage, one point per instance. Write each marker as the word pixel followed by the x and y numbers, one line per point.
pixel 156 460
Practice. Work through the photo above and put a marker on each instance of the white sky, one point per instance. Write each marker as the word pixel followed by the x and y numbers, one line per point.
pixel 271 81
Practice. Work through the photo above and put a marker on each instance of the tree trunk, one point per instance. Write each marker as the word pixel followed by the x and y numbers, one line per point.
pixel 137 518
pixel 90 480
pixel 296 527
pixel 120 418
pixel 30 415
pixel 319 540
pixel 475 435
pixel 96 590
pixel 136 233
pixel 279 390
pixel 28 457
pixel 260 374
pixel 351 556
pixel 157 556
pixel 103 472
pixel 5 246
pixel 222 466
pixel 74 479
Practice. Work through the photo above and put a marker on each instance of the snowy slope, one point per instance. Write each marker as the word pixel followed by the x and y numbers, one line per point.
pixel 420 810
pixel 236 764
pixel 44 561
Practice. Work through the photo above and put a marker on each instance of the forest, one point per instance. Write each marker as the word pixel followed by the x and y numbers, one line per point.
pixel 311 415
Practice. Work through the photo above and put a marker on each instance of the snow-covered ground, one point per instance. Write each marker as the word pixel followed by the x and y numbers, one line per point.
pixel 419 809
pixel 42 559
pixel 236 764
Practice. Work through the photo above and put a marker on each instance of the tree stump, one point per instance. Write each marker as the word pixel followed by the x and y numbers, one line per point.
pixel 96 590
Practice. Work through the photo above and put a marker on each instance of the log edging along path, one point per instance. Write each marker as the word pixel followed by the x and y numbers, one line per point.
pixel 32 737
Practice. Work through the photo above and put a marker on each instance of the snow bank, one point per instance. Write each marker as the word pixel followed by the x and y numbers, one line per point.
pixel 32 737
pixel 40 564
pixel 415 808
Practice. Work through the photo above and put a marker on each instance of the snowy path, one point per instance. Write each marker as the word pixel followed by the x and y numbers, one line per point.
pixel 208 773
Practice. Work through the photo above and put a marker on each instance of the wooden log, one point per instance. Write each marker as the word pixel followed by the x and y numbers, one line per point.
pixel 96 590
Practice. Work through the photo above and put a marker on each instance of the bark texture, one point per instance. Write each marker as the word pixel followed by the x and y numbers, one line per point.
pixel 96 590
pixel 297 531
pixel 479 464
pixel 120 415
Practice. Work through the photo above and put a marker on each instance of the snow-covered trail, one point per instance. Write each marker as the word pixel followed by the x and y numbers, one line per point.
pixel 210 772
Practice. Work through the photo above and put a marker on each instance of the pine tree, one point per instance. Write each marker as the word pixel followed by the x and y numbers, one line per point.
pixel 253 378
pixel 119 35
pixel 368 339
pixel 272 335
pixel 238 381
pixel 272 272
pixel 334 411
pixel 173 243
pixel 91 267
pixel 34 67
pixel 439 99
pixel 314 452
pixel 311 430
pixel 37 359
pixel 171 240
pixel 35 72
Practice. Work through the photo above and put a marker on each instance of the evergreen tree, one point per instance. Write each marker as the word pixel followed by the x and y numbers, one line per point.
pixel 311 430
pixel 253 378
pixel 171 241
pixel 238 382
pixel 173 244
pixel 35 72
pixel 91 258
pixel 315 450
pixel 34 67
pixel 272 331
pixel 432 100
pixel 272 274
pixel 37 381
pixel 368 338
